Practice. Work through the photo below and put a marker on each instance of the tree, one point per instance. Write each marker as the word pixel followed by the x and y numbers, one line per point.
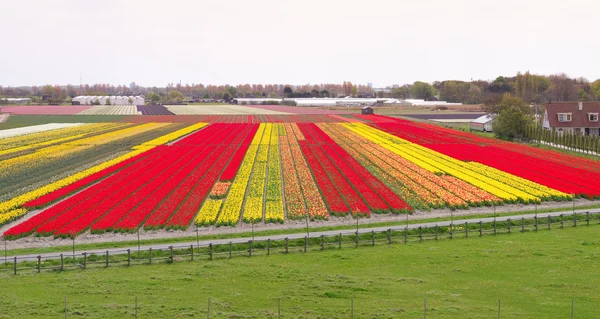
pixel 508 100
pixel 513 118
pixel 273 95
pixel 130 101
pixel 595 90
pixel 422 90
pixel 226 96
pixel 175 96
pixel 232 91
pixel 287 92
pixel 206 96
pixel 402 92
pixel 354 91
pixel 153 97
pixel 107 102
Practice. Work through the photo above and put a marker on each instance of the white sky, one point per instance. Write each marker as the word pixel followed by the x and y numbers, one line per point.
pixel 283 41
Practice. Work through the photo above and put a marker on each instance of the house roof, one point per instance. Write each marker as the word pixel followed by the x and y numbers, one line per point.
pixel 578 118
pixel 483 119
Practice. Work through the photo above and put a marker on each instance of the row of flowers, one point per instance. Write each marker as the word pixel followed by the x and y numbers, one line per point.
pixel 494 183
pixel 253 207
pixel 431 188
pixel 312 199
pixel 274 209
pixel 34 140
pixel 352 201
pixel 232 206
pixel 57 190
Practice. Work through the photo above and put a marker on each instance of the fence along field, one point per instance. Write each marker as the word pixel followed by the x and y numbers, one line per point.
pixel 227 173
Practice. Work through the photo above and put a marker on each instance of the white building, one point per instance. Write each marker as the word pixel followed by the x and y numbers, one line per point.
pixel 114 100
pixel 483 123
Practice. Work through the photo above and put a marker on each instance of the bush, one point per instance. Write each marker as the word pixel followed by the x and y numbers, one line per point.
pixel 289 103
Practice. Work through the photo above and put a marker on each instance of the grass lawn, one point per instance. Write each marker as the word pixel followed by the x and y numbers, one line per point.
pixel 15 121
pixel 535 274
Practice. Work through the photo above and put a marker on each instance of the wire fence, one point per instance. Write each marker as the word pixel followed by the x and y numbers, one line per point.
pixel 353 311
pixel 266 247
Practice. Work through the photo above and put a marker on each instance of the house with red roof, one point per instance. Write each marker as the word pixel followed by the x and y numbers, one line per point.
pixel 570 117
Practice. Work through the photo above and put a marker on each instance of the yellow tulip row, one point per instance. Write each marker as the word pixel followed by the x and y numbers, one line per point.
pixel 253 208
pixel 47 137
pixel 22 199
pixel 11 215
pixel 274 211
pixel 209 212
pixel 526 185
pixel 57 151
pixel 171 136
pixel 232 205
pixel 501 184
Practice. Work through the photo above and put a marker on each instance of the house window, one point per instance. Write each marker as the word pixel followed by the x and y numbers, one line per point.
pixel 564 117
pixel 593 117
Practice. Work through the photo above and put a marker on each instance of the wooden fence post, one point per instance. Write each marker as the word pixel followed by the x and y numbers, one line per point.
pixel 322 242
pixel 171 254
pixel 509 225
pixel 107 259
pixel 269 247
pixel 305 242
pixel 192 250
pixel 39 267
pixel 480 228
pixel 250 250
pixel 574 219
pixel 522 224
pixel 62 263
pixel 562 221
pixel 373 237
pixel 128 257
pixel 389 236
pixel 84 260
pixel 230 249
pixel 150 253
pixel 340 242
pixel 210 251
pixel 436 232
pixel 466 229
pixel 287 245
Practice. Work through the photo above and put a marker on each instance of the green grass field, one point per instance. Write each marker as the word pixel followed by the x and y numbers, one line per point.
pixel 15 121
pixel 536 275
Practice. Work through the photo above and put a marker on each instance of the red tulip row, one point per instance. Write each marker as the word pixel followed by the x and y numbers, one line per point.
pixel 64 191
pixel 558 172
pixel 350 196
pixel 115 202
pixel 114 196
pixel 179 188
pixel 236 161
pixel 50 216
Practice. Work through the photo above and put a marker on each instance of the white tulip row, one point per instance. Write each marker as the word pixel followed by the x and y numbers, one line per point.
pixel 112 110
pixel 35 129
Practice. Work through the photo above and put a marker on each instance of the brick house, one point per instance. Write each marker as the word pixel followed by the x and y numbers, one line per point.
pixel 572 117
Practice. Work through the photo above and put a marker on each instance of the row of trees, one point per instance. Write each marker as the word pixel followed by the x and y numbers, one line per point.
pixel 571 140
pixel 527 86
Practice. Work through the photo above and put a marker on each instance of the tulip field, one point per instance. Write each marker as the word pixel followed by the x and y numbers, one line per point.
pixel 121 177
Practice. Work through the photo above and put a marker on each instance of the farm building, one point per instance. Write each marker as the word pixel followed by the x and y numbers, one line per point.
pixel 114 100
pixel 482 123
pixel 16 101
pixel 579 117
pixel 366 110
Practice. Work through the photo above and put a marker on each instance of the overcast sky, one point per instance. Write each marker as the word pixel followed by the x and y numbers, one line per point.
pixel 293 42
